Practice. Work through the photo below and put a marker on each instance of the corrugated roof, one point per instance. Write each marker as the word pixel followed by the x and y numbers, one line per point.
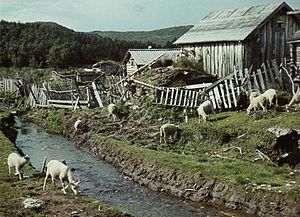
pixel 144 56
pixel 229 25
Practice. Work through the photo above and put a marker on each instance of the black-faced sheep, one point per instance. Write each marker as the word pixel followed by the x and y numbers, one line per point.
pixel 292 159
pixel 170 131
pixel 256 101
pixel 205 109
pixel 242 100
pixel 58 170
pixel 15 160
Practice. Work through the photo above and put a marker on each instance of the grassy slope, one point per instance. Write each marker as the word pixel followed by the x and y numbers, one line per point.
pixel 201 148
pixel 13 191
pixel 160 36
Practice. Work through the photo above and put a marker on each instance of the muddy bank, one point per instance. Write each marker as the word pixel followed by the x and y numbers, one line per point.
pixel 188 185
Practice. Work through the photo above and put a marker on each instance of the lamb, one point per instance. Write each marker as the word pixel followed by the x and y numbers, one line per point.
pixel 58 170
pixel 15 160
pixel 242 100
pixel 295 100
pixel 205 109
pixel 256 101
pixel 292 159
pixel 270 94
pixel 113 111
pixel 169 130
pixel 77 122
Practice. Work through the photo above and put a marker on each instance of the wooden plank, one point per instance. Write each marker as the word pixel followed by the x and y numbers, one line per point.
pixel 176 96
pixel 228 93
pixel 256 86
pixel 193 99
pixel 233 93
pixel 212 98
pixel 261 80
pixel 172 96
pixel 247 74
pixel 196 100
pixel 167 93
pixel 272 77
pixel 223 95
pixel 276 70
pixel 265 73
pixel 180 98
pixel 54 101
pixel 188 98
pixel 185 97
pixel 161 96
pixel 99 101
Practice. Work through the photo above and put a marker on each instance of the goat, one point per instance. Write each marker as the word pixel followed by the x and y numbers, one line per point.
pixel 113 111
pixel 270 94
pixel 77 122
pixel 58 170
pixel 15 160
pixel 295 100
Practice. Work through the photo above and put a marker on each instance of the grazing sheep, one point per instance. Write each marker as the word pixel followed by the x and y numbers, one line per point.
pixel 270 94
pixel 295 100
pixel 113 111
pixel 77 122
pixel 205 109
pixel 292 159
pixel 256 101
pixel 15 160
pixel 169 130
pixel 58 170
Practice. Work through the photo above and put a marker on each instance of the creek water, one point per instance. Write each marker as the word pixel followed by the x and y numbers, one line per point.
pixel 102 181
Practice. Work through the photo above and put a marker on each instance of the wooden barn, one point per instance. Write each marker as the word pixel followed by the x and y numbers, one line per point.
pixel 136 58
pixel 294 42
pixel 238 38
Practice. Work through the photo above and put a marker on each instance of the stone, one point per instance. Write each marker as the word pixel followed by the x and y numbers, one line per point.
pixel 33 203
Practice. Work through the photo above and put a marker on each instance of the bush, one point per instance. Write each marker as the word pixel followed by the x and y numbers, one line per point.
pixel 185 63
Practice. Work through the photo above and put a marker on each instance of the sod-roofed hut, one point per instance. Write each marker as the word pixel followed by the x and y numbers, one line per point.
pixel 238 38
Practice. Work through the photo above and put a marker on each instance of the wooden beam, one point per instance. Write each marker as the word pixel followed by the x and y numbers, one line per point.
pixel 99 101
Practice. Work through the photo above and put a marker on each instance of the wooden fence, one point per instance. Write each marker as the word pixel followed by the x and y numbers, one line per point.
pixel 8 85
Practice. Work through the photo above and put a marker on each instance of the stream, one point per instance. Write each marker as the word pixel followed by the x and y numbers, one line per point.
pixel 102 181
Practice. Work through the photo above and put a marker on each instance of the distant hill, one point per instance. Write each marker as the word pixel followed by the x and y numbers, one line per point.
pixel 48 44
pixel 160 36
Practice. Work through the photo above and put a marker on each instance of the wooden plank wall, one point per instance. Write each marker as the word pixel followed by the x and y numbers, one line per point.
pixel 219 58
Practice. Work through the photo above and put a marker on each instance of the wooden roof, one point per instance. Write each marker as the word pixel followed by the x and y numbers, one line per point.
pixel 230 25
pixel 144 56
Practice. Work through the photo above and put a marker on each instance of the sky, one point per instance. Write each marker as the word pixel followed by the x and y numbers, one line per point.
pixel 120 15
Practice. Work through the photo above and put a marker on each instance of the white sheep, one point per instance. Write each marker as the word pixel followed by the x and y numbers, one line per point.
pixel 270 94
pixel 169 131
pixel 205 109
pixel 256 101
pixel 295 100
pixel 15 160
pixel 77 122
pixel 112 111
pixel 58 170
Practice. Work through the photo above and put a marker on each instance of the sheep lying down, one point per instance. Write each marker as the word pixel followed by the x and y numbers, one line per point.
pixel 15 160
pixel 59 171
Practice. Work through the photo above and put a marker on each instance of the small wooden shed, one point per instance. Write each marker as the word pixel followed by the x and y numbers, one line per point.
pixel 294 42
pixel 238 38
pixel 136 58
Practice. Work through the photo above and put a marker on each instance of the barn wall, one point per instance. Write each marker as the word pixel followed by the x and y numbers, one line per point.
pixel 219 58
pixel 269 41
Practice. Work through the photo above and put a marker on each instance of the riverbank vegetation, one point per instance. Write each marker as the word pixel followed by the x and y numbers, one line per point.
pixel 207 149
pixel 14 191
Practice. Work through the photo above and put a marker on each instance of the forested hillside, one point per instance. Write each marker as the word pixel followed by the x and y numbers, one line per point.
pixel 163 37
pixel 44 44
